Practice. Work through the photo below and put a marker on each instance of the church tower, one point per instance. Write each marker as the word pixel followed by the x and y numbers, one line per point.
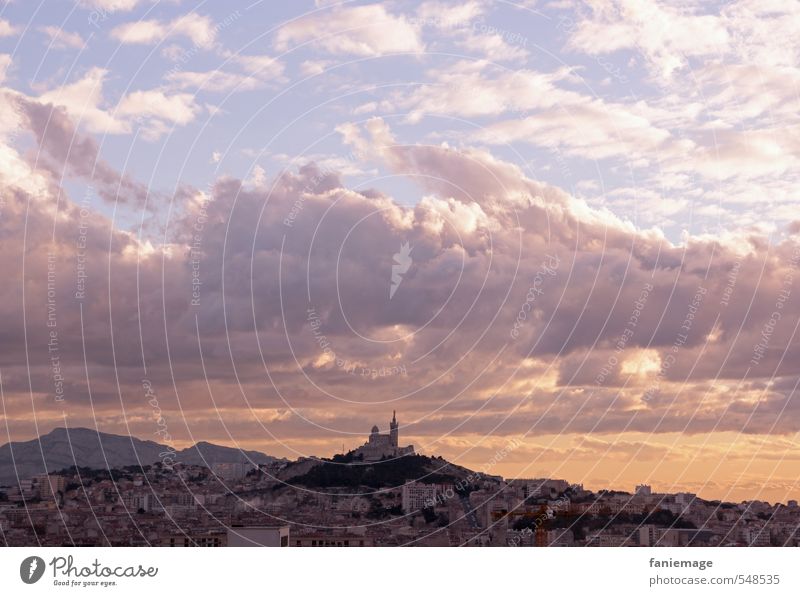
pixel 394 438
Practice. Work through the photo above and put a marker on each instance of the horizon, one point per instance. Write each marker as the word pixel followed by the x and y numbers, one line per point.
pixel 330 458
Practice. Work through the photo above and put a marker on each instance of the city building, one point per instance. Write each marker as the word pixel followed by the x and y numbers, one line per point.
pixel 540 487
pixel 135 502
pixel 231 471
pixel 338 540
pixel 205 539
pixel 417 496
pixel 258 536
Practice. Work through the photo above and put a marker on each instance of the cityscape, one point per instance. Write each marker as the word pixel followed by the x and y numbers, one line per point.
pixel 379 494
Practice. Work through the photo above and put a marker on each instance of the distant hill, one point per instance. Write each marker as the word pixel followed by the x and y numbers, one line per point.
pixel 83 447
pixel 207 454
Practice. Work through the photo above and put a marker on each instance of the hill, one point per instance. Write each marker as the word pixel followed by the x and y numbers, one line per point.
pixel 386 473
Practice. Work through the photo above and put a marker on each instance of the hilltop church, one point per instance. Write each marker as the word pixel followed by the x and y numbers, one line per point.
pixel 379 446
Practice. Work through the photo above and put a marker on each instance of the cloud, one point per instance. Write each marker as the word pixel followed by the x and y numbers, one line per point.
pixel 443 16
pixel 755 33
pixel 493 46
pixel 259 71
pixel 466 26
pixel 60 39
pixel 5 63
pixel 197 28
pixel 67 153
pixel 749 93
pixel 214 81
pixel 16 172
pixel 666 36
pixel 7 29
pixel 85 103
pixel 590 129
pixel 178 109
pixel 237 71
pixel 748 154
pixel 112 5
pixel 262 65
pixel 359 30
pixel 152 110
pixel 483 235
pixel 766 33
pixel 475 88
pixel 541 111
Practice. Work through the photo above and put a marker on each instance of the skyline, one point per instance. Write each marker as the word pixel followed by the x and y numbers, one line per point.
pixel 491 466
pixel 377 495
pixel 567 226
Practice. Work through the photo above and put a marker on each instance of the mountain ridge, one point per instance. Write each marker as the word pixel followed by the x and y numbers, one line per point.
pixel 84 447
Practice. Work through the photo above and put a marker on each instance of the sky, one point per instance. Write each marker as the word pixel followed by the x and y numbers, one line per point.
pixel 565 227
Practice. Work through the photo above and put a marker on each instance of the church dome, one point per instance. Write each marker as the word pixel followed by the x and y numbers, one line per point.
pixel 375 429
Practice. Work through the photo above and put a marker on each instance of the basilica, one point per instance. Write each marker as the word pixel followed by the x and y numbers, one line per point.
pixel 379 446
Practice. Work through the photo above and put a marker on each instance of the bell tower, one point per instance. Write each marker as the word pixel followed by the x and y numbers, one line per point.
pixel 394 438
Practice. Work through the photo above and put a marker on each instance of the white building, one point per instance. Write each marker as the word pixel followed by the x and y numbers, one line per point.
pixel 135 501
pixel 540 487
